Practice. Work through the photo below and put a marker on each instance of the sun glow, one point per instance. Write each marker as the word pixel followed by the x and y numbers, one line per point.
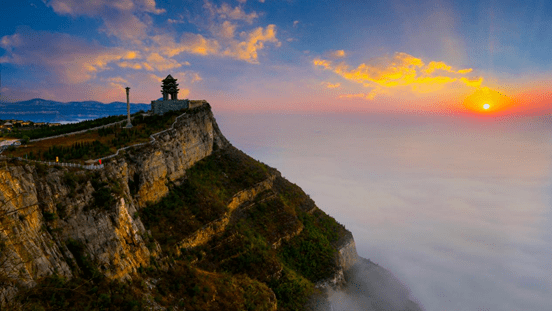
pixel 481 100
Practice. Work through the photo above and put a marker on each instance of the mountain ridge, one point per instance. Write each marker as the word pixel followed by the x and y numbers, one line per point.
pixel 53 111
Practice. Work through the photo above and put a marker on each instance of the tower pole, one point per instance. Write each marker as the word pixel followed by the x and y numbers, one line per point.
pixel 129 125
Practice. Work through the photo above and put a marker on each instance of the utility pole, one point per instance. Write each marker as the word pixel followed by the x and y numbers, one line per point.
pixel 129 125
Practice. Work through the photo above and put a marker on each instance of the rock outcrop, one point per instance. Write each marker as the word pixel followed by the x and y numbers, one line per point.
pixel 33 236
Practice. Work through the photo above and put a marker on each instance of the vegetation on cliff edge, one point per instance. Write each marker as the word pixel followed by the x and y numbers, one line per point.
pixel 275 247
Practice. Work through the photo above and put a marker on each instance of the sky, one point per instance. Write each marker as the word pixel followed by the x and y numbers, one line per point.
pixel 413 57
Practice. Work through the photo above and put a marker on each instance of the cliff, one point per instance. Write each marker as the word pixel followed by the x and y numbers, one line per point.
pixel 187 222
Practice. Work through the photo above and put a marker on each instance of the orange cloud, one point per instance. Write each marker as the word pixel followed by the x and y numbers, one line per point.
pixel 330 85
pixel 370 96
pixel 464 71
pixel 399 70
pixel 198 44
pixel 131 55
pixel 475 82
pixel 156 78
pixel 226 43
pixel 321 62
pixel 247 50
pixel 338 54
pixel 130 65
pixel 432 66
pixel 117 82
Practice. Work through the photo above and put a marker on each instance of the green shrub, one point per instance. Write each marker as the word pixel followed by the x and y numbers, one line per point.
pixel 88 268
pixel 49 216
pixel 310 253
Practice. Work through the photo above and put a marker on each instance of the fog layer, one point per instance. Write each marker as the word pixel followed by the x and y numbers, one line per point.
pixel 458 210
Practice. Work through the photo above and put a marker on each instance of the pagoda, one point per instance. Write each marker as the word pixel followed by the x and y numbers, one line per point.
pixel 170 101
pixel 169 87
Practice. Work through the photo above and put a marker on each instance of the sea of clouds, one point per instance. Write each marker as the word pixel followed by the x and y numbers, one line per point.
pixel 458 210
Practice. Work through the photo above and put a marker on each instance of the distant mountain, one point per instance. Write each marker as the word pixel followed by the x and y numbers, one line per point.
pixel 42 110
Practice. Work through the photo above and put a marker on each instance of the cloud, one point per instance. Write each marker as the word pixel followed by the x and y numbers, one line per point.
pixel 295 23
pixel 117 82
pixel 198 44
pixel 225 42
pixel 100 7
pixel 129 65
pixel 396 71
pixel 156 78
pixel 324 63
pixel 371 95
pixel 330 85
pixel 132 55
pixel 255 40
pixel 338 54
pixel 192 76
pixel 73 60
pixel 125 26
pixel 136 46
pixel 175 21
pixel 433 66
pixel 464 71
pixel 160 63
pixel 224 39
pixel 228 30
pixel 475 82
pixel 225 11
pixel 120 17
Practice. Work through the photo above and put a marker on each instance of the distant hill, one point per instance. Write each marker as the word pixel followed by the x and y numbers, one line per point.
pixel 42 110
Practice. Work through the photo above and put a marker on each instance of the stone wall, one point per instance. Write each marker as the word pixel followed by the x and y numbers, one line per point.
pixel 162 106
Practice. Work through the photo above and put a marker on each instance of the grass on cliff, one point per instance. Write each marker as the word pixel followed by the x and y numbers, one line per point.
pixel 58 293
pixel 202 197
pixel 246 247
pixel 279 245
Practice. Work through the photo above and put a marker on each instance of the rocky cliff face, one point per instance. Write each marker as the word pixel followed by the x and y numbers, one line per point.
pixel 192 138
pixel 70 222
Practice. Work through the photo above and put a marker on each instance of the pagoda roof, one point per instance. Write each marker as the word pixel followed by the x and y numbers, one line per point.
pixel 169 77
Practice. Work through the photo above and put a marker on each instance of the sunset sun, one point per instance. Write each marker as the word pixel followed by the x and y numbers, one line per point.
pixel 486 106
